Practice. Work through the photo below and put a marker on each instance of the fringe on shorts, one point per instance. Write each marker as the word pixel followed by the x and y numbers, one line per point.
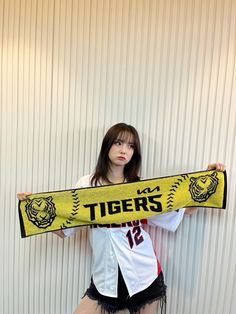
pixel 155 292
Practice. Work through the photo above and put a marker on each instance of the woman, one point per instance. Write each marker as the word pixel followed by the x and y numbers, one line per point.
pixel 126 272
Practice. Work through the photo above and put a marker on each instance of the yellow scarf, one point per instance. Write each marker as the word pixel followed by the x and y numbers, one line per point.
pixel 43 212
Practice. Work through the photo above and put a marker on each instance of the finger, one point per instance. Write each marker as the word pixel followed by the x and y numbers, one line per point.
pixel 216 166
pixel 28 193
pixel 23 195
pixel 211 167
pixel 20 196
pixel 220 166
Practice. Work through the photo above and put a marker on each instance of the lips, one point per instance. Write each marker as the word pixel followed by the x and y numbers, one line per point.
pixel 121 158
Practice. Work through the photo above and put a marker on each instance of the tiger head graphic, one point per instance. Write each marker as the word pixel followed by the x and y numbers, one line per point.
pixel 41 211
pixel 201 188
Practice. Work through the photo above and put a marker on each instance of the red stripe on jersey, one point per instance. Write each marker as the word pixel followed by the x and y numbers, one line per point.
pixel 158 265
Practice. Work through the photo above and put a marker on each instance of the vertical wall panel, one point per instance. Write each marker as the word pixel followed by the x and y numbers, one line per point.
pixel 69 70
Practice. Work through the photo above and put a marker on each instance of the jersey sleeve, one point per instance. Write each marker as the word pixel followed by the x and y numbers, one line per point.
pixel 84 182
pixel 70 231
pixel 169 221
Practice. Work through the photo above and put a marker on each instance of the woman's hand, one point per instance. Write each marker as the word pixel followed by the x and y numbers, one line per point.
pixel 22 196
pixel 216 166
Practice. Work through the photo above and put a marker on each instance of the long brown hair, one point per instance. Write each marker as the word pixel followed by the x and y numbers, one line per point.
pixel 131 170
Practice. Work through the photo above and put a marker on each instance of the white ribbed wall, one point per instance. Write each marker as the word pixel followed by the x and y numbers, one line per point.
pixel 70 69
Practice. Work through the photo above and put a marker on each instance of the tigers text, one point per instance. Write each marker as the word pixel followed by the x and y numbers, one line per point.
pixel 149 203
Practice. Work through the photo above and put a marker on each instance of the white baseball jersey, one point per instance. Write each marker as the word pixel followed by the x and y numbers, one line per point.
pixel 128 246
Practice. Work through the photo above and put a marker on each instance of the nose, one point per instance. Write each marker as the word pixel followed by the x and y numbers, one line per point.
pixel 123 149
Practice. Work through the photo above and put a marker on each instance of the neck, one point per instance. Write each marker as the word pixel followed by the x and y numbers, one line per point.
pixel 116 174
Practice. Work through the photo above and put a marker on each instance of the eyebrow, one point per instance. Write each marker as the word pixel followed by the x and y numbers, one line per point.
pixel 123 141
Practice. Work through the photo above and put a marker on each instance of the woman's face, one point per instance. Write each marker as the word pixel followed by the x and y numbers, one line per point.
pixel 121 150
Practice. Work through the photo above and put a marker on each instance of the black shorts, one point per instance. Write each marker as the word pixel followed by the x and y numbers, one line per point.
pixel 156 291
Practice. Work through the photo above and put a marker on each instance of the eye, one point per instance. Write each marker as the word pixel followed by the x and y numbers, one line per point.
pixel 131 146
pixel 117 142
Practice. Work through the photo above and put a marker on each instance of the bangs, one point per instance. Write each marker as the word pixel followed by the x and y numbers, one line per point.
pixel 126 136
